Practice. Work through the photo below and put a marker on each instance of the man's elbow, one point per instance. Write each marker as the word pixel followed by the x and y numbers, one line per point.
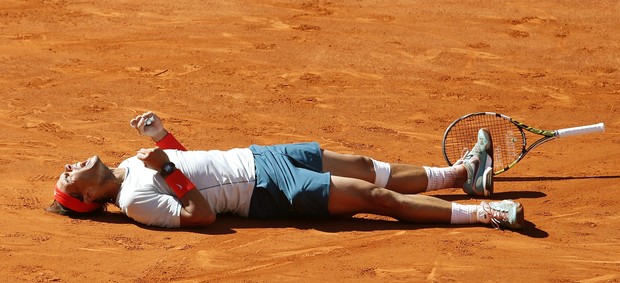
pixel 198 220
pixel 210 219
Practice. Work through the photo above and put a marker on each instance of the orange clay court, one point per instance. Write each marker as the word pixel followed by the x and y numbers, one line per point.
pixel 379 78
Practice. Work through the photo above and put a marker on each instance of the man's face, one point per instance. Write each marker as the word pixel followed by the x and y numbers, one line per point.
pixel 79 179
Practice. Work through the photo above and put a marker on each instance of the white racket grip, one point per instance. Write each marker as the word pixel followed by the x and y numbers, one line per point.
pixel 583 130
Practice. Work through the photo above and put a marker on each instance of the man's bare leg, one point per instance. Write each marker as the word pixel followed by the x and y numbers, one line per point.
pixel 404 178
pixel 350 196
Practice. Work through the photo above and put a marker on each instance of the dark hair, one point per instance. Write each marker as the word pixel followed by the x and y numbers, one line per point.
pixel 58 208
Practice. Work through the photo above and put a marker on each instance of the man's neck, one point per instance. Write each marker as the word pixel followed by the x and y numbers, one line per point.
pixel 114 184
pixel 119 174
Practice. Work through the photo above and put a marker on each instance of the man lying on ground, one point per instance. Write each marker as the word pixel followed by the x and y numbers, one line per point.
pixel 168 186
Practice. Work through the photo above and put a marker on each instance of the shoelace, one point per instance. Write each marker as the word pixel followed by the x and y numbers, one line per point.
pixel 464 154
pixel 497 216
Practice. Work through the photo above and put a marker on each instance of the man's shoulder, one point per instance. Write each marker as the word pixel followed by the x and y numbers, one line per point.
pixel 131 162
pixel 139 181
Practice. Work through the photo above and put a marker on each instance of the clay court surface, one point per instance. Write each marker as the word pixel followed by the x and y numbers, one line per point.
pixel 380 78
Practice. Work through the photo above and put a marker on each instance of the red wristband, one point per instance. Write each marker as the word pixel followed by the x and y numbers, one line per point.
pixel 179 183
pixel 170 142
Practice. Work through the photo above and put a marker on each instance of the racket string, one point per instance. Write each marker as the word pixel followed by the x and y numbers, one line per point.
pixel 507 139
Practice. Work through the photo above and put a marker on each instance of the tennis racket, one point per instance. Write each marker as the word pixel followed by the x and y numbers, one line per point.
pixel 509 140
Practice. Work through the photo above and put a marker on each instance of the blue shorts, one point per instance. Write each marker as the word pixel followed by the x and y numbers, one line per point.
pixel 290 182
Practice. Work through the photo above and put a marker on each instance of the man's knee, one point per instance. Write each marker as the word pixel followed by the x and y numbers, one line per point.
pixel 364 164
pixel 364 161
pixel 382 199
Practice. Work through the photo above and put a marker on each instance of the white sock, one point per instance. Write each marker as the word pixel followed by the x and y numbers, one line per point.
pixel 382 173
pixel 439 178
pixel 464 213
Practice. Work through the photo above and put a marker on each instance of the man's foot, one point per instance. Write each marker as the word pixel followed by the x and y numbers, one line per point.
pixel 505 214
pixel 479 164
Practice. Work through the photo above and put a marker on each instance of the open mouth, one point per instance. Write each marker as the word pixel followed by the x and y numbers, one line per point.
pixel 81 164
pixel 84 164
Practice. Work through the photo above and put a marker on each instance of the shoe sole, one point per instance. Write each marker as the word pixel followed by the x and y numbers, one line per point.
pixel 520 218
pixel 487 181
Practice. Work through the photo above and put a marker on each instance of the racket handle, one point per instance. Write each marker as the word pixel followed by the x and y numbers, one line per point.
pixel 577 131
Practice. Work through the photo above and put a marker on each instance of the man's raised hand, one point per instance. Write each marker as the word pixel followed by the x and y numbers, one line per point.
pixel 149 124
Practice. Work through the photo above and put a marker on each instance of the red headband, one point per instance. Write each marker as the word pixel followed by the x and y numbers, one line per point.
pixel 74 203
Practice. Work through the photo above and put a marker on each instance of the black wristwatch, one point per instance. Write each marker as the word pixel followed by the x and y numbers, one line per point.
pixel 167 169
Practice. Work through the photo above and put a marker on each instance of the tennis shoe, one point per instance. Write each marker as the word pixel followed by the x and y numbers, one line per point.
pixel 479 165
pixel 502 214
